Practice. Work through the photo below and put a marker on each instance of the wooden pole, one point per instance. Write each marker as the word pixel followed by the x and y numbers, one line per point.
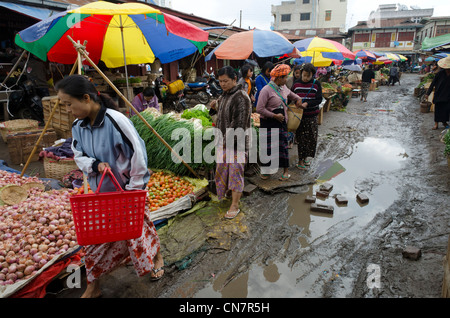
pixel 81 50
pixel 45 127
pixel 14 67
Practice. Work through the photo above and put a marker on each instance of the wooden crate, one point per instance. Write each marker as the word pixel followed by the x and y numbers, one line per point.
pixel 61 120
pixel 20 145
pixel 446 282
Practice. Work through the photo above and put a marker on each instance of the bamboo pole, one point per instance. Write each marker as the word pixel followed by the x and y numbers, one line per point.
pixel 14 67
pixel 45 127
pixel 81 50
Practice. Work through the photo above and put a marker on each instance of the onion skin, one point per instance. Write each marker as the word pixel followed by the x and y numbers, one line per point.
pixel 33 232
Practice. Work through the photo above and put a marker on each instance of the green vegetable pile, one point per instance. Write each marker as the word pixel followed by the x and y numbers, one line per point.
pixel 427 78
pixel 199 114
pixel 159 156
pixel 447 144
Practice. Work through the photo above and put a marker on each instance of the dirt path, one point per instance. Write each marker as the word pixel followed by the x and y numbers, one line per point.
pixel 277 247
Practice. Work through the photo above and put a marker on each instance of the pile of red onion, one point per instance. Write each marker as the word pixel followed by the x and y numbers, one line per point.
pixel 33 232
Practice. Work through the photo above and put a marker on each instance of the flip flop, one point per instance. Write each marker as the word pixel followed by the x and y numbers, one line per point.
pixel 284 178
pixel 264 176
pixel 307 163
pixel 301 167
pixel 232 217
pixel 155 271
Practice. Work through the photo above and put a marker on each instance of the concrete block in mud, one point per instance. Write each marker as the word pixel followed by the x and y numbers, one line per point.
pixel 316 207
pixel 340 199
pixel 322 194
pixel 248 189
pixel 362 198
pixel 412 253
pixel 327 187
pixel 310 199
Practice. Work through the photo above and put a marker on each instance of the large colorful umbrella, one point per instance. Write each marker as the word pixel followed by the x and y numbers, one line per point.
pixel 402 57
pixel 392 57
pixel 365 55
pixel 263 43
pixel 318 48
pixel 382 60
pixel 117 34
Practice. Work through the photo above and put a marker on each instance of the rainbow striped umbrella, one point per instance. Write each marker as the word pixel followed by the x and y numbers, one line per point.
pixel 117 34
pixel 319 48
pixel 365 55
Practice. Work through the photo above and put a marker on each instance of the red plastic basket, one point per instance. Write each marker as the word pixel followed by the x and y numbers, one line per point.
pixel 110 216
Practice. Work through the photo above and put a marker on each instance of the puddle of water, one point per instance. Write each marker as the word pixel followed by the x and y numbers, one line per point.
pixel 371 159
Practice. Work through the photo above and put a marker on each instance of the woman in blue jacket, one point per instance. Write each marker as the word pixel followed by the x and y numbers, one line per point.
pixel 102 137
pixel 263 79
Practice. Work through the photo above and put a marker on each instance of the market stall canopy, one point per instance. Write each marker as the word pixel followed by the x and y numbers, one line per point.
pixel 263 43
pixel 441 55
pixel 135 31
pixel 382 60
pixel 365 55
pixel 402 57
pixel 436 42
pixel 392 57
pixel 327 48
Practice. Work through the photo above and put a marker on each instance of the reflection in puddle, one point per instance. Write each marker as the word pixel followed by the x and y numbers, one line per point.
pixel 367 167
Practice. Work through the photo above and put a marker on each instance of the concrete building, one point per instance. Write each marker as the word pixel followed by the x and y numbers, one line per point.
pixel 307 18
pixel 432 27
pixel 391 28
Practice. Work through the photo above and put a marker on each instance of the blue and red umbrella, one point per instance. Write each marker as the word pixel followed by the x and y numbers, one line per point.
pixel 365 55
pixel 263 43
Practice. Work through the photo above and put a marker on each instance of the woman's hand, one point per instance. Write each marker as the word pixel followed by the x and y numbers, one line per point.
pixel 102 166
pixel 300 104
pixel 213 104
pixel 279 117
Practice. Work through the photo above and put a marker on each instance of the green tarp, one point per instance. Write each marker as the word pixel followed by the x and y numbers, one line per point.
pixel 431 43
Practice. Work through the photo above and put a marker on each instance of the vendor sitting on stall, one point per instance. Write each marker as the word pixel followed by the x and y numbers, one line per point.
pixel 144 100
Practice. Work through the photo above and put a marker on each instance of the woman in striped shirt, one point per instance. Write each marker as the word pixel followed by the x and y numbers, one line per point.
pixel 310 90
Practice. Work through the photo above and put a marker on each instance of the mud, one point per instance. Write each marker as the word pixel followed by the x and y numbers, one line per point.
pixel 277 247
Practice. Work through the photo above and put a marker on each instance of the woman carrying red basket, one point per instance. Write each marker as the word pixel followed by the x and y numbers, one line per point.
pixel 105 138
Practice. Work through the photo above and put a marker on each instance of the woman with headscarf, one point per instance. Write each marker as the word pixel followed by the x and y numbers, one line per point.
pixel 272 107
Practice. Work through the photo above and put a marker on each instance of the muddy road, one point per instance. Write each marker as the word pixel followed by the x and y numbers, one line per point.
pixel 277 247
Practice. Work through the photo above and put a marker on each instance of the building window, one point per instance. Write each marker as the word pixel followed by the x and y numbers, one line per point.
pixel 305 16
pixel 362 37
pixel 310 32
pixel 328 15
pixel 305 1
pixel 285 17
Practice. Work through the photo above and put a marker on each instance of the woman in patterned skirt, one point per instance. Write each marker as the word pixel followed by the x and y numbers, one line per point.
pixel 233 110
pixel 310 91
pixel 103 138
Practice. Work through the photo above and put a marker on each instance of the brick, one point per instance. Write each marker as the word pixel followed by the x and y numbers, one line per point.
pixel 412 253
pixel 327 187
pixel 310 199
pixel 341 199
pixel 362 198
pixel 322 208
pixel 322 193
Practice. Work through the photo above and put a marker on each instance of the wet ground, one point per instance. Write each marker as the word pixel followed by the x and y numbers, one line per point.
pixel 277 247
